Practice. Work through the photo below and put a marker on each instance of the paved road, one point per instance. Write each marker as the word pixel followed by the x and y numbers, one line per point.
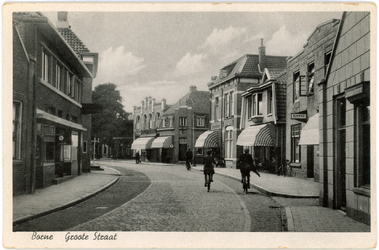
pixel 166 198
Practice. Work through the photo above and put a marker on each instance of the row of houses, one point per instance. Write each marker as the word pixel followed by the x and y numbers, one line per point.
pixel 311 110
pixel 52 102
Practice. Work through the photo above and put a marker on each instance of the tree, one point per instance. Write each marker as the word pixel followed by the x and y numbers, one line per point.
pixel 109 122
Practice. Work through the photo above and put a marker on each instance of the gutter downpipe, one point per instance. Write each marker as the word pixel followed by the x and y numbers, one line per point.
pixel 325 200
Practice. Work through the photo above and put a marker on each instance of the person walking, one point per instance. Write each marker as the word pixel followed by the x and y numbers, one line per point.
pixel 189 156
pixel 209 171
pixel 138 158
pixel 246 164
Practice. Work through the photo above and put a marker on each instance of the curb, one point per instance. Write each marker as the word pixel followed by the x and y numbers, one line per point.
pixel 270 193
pixel 290 225
pixel 64 206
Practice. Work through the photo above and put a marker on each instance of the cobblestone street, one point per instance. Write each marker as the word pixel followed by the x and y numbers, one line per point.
pixel 178 201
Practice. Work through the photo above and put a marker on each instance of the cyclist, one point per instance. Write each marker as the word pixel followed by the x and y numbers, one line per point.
pixel 188 158
pixel 209 163
pixel 246 164
pixel 138 159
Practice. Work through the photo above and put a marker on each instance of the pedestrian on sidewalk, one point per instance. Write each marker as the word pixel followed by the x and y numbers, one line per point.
pixel 138 158
pixel 209 163
pixel 246 164
pixel 188 158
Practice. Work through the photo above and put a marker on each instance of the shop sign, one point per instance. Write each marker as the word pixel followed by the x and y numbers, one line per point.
pixel 298 116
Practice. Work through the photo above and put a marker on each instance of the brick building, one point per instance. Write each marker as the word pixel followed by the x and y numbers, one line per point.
pixel 52 85
pixel 345 137
pixel 181 125
pixel 305 71
pixel 226 90
pixel 147 119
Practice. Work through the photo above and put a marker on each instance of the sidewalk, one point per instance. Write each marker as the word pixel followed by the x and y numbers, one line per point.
pixel 299 219
pixel 66 194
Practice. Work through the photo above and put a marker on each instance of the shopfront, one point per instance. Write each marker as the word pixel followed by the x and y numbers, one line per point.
pixel 208 140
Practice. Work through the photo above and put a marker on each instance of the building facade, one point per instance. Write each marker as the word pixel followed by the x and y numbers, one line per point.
pixel 345 135
pixel 181 125
pixel 226 100
pixel 305 71
pixel 263 120
pixel 147 119
pixel 51 80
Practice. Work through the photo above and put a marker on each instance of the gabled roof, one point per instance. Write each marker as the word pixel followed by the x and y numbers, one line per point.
pixel 247 66
pixel 73 40
pixel 201 103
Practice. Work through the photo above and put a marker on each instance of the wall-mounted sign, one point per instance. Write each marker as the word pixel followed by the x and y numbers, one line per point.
pixel 61 138
pixel 298 116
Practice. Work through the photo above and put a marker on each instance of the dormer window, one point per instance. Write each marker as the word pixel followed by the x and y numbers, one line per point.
pixel 223 73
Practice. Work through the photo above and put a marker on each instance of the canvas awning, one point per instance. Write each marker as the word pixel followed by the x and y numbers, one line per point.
pixel 309 135
pixel 49 118
pixel 142 143
pixel 162 142
pixel 258 136
pixel 208 139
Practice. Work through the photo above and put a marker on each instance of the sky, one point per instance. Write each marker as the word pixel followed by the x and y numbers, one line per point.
pixel 161 54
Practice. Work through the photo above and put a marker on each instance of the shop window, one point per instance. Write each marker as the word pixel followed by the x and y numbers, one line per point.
pixel 199 151
pixel 295 147
pixel 50 151
pixel 311 77
pixel 16 130
pixel 362 121
pixel 65 153
pixel 200 121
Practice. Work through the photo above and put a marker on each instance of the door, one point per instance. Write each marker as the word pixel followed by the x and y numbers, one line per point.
pixel 182 152
pixel 310 161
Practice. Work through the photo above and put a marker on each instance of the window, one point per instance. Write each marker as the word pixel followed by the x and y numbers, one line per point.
pixel 50 151
pixel 73 86
pixel 295 137
pixel 16 130
pixel 269 101
pixel 182 121
pixel 200 121
pixel 249 106
pixel 311 77
pixel 199 151
pixel 151 122
pixel 216 110
pixel 229 142
pixel 257 104
pixel 296 86
pixel 145 122
pixel 68 83
pixel 327 57
pixel 58 76
pixel 226 105
pixel 84 147
pixel 231 101
pixel 362 121
pixel 45 66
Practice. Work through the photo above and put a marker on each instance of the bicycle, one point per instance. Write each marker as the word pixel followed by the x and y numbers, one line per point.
pixel 284 169
pixel 245 183
pixel 188 165
pixel 208 180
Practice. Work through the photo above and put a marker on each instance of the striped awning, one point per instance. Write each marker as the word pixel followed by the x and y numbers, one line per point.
pixel 258 136
pixel 208 139
pixel 309 135
pixel 142 143
pixel 162 142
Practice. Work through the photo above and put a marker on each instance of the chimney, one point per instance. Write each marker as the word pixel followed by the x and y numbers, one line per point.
pixel 262 56
pixel 193 88
pixel 163 104
pixel 62 22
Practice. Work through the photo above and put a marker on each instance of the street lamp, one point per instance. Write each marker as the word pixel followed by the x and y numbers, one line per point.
pixel 193 129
